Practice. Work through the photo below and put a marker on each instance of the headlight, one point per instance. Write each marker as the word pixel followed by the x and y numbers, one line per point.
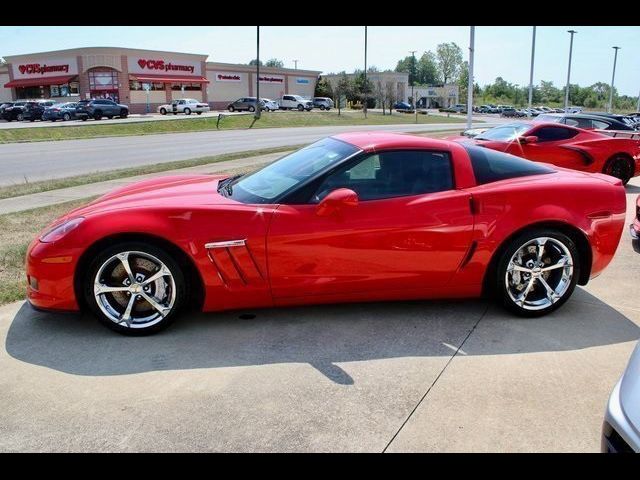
pixel 59 231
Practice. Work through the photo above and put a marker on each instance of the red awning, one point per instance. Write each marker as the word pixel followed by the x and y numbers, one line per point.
pixel 168 78
pixel 38 82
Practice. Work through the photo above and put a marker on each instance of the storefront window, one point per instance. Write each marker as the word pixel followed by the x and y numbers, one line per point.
pixel 187 86
pixel 103 80
pixel 27 93
pixel 136 85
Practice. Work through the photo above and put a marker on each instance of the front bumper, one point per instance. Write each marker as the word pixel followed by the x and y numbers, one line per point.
pixel 634 231
pixel 618 434
pixel 50 273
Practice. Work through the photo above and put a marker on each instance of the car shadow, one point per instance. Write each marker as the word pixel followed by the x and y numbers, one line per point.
pixel 321 336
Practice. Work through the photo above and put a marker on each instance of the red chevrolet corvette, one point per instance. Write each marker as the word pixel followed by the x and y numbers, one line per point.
pixel 565 146
pixel 355 217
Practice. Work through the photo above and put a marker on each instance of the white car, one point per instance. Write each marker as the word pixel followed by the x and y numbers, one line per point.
pixel 295 102
pixel 184 105
pixel 270 105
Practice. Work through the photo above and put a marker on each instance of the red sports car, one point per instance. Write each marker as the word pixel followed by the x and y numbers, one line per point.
pixel 355 217
pixel 565 146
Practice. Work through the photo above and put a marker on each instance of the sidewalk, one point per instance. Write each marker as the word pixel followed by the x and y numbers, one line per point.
pixel 52 197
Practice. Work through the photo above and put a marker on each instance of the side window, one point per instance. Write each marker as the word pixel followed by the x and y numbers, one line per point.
pixel 553 134
pixel 600 125
pixel 392 174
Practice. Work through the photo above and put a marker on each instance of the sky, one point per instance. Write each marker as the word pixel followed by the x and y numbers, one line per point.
pixel 499 51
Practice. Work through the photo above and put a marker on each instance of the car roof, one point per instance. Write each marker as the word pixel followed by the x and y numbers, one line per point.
pixel 372 141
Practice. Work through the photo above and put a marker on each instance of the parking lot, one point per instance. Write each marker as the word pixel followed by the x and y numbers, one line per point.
pixel 406 376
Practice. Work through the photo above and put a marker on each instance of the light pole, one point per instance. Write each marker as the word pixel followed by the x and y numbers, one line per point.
pixel 413 80
pixel 613 77
pixel 470 84
pixel 638 106
pixel 533 54
pixel 295 63
pixel 257 114
pixel 566 93
pixel 365 72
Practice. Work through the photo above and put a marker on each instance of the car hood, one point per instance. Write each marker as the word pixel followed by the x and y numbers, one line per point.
pixel 630 390
pixel 162 192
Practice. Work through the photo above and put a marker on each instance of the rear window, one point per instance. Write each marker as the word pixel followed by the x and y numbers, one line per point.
pixel 491 166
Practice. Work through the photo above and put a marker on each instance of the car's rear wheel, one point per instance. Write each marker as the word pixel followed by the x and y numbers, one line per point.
pixel 97 115
pixel 134 288
pixel 321 107
pixel 199 113
pixel 300 108
pixel 187 111
pixel 231 108
pixel 20 117
pixel 252 109
pixel 619 166
pixel 163 111
pixel 124 113
pixel 66 117
pixel 537 272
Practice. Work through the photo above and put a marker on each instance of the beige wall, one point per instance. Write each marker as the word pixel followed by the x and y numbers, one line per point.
pixel 302 89
pixel 272 91
pixel 177 94
pixel 227 91
pixel 155 96
pixel 5 93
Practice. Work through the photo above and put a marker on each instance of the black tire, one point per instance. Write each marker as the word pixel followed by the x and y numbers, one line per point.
pixel 199 113
pixel 20 117
pixel 149 249
pixel 537 293
pixel 252 108
pixel 97 115
pixel 321 107
pixel 187 111
pixel 300 108
pixel 231 108
pixel 109 117
pixel 66 117
pixel 84 118
pixel 53 119
pixel 163 111
pixel 124 113
pixel 619 166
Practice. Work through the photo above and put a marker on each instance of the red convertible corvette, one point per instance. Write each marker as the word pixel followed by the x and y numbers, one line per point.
pixel 355 217
pixel 565 146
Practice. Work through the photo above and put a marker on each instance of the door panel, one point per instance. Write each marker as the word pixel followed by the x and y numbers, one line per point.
pixel 414 242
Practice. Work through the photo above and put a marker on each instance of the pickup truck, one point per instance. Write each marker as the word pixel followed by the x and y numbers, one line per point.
pixel 99 108
pixel 291 102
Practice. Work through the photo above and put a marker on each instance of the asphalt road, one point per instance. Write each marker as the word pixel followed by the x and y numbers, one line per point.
pixel 404 376
pixel 20 162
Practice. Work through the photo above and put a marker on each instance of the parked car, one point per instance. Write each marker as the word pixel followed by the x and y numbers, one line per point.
pixel 323 103
pixel 564 146
pixel 100 107
pixel 509 112
pixel 33 111
pixel 426 219
pixel 587 121
pixel 295 102
pixel 3 106
pixel 621 425
pixel 573 110
pixel 404 107
pixel 64 111
pixel 459 108
pixel 484 109
pixel 245 103
pixel 184 105
pixel 270 105
pixel 15 111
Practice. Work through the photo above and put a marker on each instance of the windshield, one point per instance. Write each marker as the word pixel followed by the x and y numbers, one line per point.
pixel 284 175
pixel 505 133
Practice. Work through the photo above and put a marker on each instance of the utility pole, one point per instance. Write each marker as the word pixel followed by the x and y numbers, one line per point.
pixel 472 33
pixel 413 80
pixel 613 77
pixel 295 63
pixel 566 93
pixel 365 72
pixel 533 54
pixel 257 114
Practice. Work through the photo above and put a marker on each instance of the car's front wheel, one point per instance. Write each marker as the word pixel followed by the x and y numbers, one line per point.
pixel 187 111
pixel 231 108
pixel 537 272
pixel 134 288
pixel 163 111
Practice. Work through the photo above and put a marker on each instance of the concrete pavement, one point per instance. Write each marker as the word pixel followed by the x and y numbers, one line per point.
pixel 20 162
pixel 327 378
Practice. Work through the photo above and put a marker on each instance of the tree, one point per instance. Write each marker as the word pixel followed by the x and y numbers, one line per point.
pixel 428 73
pixel 390 94
pixel 463 80
pixel 323 88
pixel 408 65
pixel 449 60
pixel 255 61
pixel 373 69
pixel 379 93
pixel 274 62
pixel 342 89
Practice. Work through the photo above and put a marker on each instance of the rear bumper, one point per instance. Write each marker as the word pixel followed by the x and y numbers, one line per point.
pixel 618 434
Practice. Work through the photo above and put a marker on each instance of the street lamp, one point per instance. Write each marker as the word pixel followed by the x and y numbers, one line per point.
pixel 566 93
pixel 257 114
pixel 533 54
pixel 613 77
pixel 365 72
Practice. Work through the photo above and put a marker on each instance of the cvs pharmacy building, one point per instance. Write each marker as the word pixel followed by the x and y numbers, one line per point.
pixel 141 79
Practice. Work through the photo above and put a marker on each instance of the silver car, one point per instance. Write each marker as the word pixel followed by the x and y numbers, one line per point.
pixel 621 427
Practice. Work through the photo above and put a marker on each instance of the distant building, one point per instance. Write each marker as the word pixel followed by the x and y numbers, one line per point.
pixel 428 96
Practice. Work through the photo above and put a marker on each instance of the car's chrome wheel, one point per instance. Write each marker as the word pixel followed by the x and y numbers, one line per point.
pixel 134 289
pixel 538 272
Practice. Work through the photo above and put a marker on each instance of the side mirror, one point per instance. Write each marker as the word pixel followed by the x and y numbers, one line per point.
pixel 528 139
pixel 336 200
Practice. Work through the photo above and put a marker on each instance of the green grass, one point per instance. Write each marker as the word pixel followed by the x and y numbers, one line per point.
pixel 47 185
pixel 102 128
